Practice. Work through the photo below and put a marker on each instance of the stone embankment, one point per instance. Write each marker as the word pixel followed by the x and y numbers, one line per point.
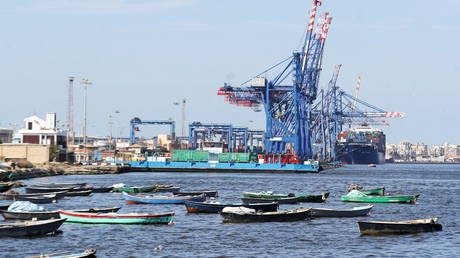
pixel 57 169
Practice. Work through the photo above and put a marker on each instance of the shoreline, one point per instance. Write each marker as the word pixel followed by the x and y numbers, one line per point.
pixel 60 170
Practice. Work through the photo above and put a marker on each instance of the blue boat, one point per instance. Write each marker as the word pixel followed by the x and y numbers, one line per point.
pixel 141 199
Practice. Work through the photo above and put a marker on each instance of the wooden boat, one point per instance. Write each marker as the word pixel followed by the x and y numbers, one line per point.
pixel 128 189
pixel 353 212
pixel 112 218
pixel 376 191
pixel 288 200
pixel 102 189
pixel 4 207
pixel 301 197
pixel 13 197
pixel 206 207
pixel 89 253
pixel 209 193
pixel 59 185
pixel 38 199
pixel 277 216
pixel 5 187
pixel 371 165
pixel 43 215
pixel 30 228
pixel 166 189
pixel 356 196
pixel 47 190
pixel 79 193
pixel 398 227
pixel 139 199
pixel 5 175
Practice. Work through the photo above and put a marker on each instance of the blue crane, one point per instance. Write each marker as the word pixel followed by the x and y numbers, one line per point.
pixel 135 122
pixel 287 106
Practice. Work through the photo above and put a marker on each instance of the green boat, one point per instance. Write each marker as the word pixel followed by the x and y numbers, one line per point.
pixel 5 175
pixel 301 197
pixel 128 189
pixel 357 196
pixel 376 191
pixel 5 187
pixel 115 218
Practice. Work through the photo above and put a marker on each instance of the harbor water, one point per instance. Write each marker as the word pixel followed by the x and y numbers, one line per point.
pixel 204 235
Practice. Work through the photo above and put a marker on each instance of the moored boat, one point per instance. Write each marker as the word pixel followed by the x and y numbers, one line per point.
pixel 242 215
pixel 398 227
pixel 59 185
pixel 4 207
pixel 300 197
pixel 288 200
pixel 166 189
pixel 357 196
pixel 5 187
pixel 139 199
pixel 5 175
pixel 8 196
pixel 30 228
pixel 47 189
pixel 207 207
pixel 373 191
pixel 133 189
pixel 207 193
pixel 43 215
pixel 79 193
pixel 112 218
pixel 102 189
pixel 49 198
pixel 89 253
pixel 352 212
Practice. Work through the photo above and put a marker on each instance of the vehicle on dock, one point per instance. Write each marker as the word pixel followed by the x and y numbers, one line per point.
pixel 209 207
pixel 30 228
pixel 140 199
pixel 357 196
pixel 352 212
pixel 398 227
pixel 244 215
pixel 300 197
pixel 112 218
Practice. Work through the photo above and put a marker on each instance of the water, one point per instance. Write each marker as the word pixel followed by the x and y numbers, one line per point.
pixel 203 235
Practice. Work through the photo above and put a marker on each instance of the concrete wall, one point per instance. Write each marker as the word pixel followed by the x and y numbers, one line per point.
pixel 35 153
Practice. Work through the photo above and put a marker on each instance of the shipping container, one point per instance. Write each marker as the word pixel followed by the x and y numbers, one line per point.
pixel 233 157
pixel 189 156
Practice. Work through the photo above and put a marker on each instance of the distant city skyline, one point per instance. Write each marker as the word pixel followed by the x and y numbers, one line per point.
pixel 142 56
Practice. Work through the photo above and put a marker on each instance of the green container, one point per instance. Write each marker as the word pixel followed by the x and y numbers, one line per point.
pixel 189 156
pixel 234 157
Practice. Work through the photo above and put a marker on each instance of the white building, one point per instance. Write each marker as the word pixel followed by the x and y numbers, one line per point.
pixel 39 131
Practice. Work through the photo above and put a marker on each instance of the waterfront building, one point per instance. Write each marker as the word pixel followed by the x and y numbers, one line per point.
pixel 6 135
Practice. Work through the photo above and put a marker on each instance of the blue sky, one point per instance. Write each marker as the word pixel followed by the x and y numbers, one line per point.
pixel 144 55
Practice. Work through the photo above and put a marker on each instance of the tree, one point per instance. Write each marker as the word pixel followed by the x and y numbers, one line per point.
pixel 54 152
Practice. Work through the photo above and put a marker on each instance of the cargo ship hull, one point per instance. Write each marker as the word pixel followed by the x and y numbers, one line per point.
pixel 359 154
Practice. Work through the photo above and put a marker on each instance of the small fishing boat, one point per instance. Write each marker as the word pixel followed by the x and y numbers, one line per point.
pixel 166 189
pixel 89 253
pixel 43 215
pixel 5 175
pixel 371 165
pixel 243 215
pixel 79 193
pixel 5 187
pixel 102 189
pixel 4 207
pixel 113 218
pixel 47 189
pixel 139 199
pixel 207 207
pixel 357 196
pixel 8 196
pixel 374 191
pixel 50 198
pixel 288 200
pixel 353 212
pixel 208 193
pixel 301 197
pixel 133 189
pixel 59 185
pixel 398 227
pixel 30 228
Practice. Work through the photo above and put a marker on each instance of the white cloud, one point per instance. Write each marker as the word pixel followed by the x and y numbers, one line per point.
pixel 93 6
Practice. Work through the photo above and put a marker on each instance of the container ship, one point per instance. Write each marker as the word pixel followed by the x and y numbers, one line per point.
pixel 361 145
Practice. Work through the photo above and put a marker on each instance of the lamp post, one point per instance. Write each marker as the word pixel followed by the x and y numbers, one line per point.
pixel 85 83
pixel 112 144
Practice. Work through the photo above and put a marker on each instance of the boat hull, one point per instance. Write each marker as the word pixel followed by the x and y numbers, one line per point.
pixel 47 190
pixel 212 193
pixel 287 216
pixel 412 199
pixel 377 191
pixel 34 228
pixel 300 197
pixel 5 187
pixel 133 189
pixel 44 215
pixel 136 199
pixel 356 212
pixel 290 200
pixel 384 228
pixel 89 218
pixel 203 207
